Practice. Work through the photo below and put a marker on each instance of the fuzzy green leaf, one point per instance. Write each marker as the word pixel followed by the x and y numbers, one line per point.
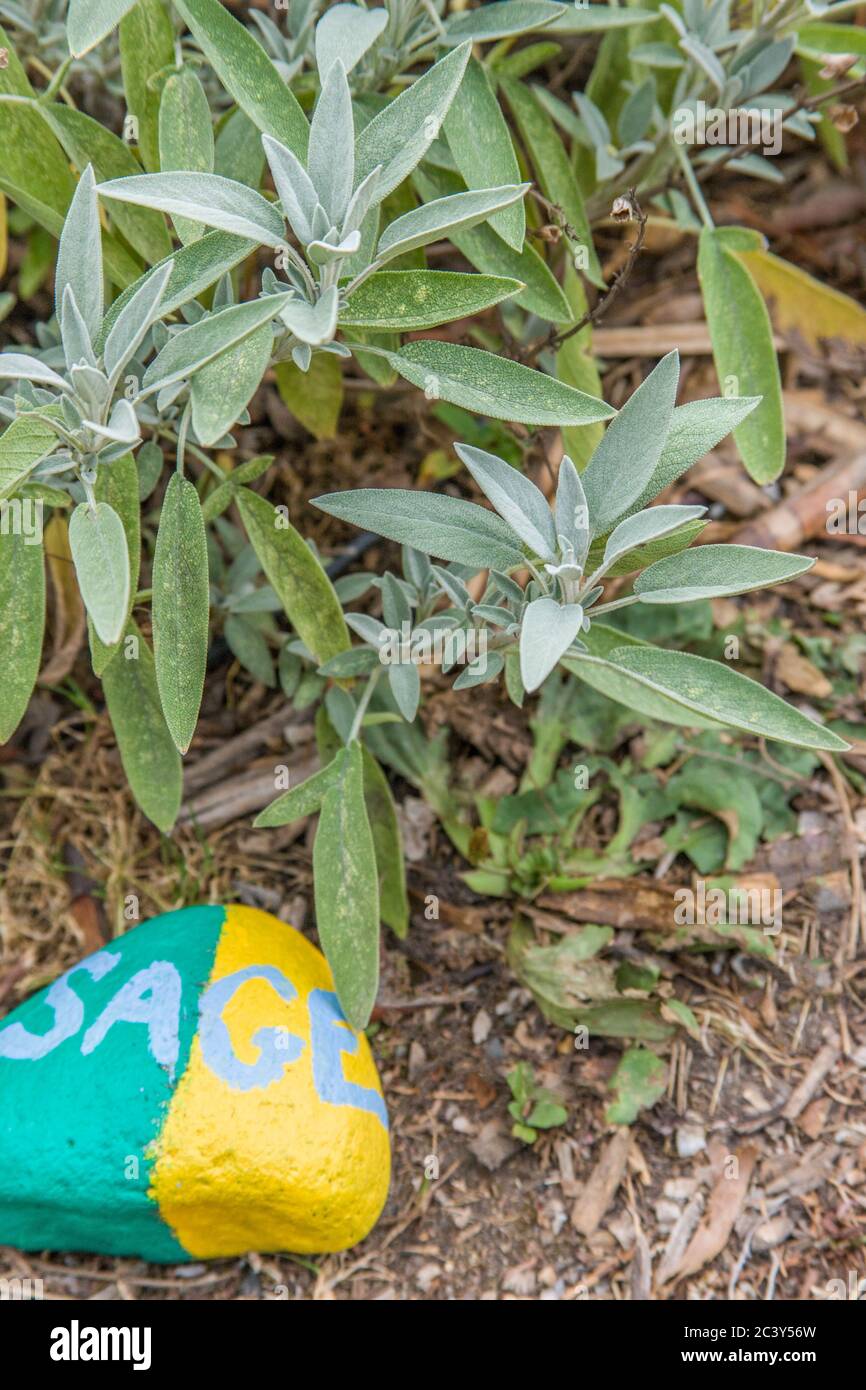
pixel 744 354
pixel 490 385
pixel 480 141
pixel 400 300
pixel 221 390
pixel 296 576
pixel 444 217
pixel 388 842
pixel 23 444
pixel 716 571
pixel 146 48
pixel 22 624
pixel 712 689
pixel 97 541
pixel 445 526
pixel 626 458
pixel 246 72
pixel 484 249
pixel 400 135
pixel 554 169
pixel 117 484
pixel 181 607
pixel 186 139
pixel 208 198
pixel 88 22
pixel 347 890
pixel 150 760
pixel 300 801
pixel 193 347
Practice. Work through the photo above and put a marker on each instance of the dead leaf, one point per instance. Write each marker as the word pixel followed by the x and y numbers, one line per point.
pixel 66 610
pixel 602 1184
pixel 800 675
pixel 803 305
pixel 726 1202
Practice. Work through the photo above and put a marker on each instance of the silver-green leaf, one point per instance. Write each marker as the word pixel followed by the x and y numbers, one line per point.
pixel 181 607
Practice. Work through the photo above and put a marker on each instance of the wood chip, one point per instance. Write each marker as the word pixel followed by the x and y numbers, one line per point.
pixel 602 1184
pixel 802 1094
pixel 726 1202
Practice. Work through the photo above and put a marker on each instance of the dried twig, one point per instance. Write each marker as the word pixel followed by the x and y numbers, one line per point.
pixel 625 208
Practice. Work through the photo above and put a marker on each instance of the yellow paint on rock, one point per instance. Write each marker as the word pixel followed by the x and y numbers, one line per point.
pixel 273 1167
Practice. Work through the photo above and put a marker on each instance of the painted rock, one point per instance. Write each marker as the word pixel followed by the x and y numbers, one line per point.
pixel 191 1091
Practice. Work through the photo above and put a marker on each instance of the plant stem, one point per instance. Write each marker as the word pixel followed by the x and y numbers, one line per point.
pixel 363 703
pixel 693 186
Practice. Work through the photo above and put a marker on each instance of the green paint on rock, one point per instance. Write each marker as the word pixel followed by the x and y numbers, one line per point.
pixel 82 1097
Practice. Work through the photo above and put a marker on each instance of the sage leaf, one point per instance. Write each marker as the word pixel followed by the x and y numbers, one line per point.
pixel 221 390
pixel 88 22
pixel 403 131
pixel 400 300
pixel 22 625
pixel 246 72
pixel 744 353
pixel 716 571
pixel 614 683
pixel 87 142
pixel 626 458
pixel 547 631
pixel 593 19
pixel 133 321
pixel 555 173
pixel 518 501
pixel 181 606
pixel 331 160
pixel 312 323
pixel 346 32
pixel 295 188
pixel 487 251
pixel 186 139
pixel 97 541
pixel 192 348
pixel 146 48
pixel 480 141
pixel 150 760
pixel 23 444
pixel 300 801
pixel 405 681
pixel 500 20
pixel 388 843
pixel 712 689
pixel 347 889
pixel 247 644
pixel 647 526
pixel 296 576
pixel 571 517
pixel 490 385
pixel 79 255
pixel 17 366
pixel 315 397
pixel 208 198
pixel 439 219
pixel 445 526
pixel 695 428
pixel 117 484
pixel 191 269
